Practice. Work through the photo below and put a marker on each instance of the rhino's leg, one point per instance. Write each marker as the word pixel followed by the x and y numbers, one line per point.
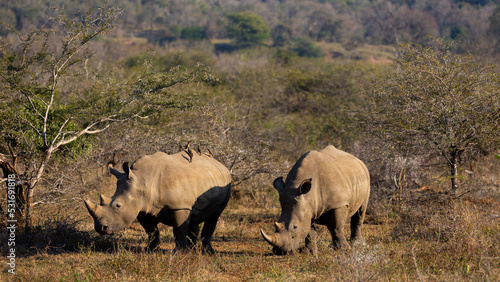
pixel 357 222
pixel 337 219
pixel 207 232
pixel 151 227
pixel 211 223
pixel 311 241
pixel 180 220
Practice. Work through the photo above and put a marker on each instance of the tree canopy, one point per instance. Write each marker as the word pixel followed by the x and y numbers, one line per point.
pixel 247 29
pixel 360 21
pixel 437 102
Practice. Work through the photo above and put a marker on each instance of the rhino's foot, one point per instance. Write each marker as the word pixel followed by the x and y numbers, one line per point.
pixel 340 246
pixel 311 245
pixel 208 250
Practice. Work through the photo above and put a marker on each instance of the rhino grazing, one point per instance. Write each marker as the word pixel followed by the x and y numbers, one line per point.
pixel 325 187
pixel 180 190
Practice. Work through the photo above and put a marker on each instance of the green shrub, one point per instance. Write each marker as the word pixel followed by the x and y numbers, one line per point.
pixel 193 33
pixel 304 47
pixel 247 29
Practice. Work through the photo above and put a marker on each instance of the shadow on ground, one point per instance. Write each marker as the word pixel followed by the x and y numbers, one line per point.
pixel 61 236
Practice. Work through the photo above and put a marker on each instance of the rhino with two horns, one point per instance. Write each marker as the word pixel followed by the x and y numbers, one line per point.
pixel 326 187
pixel 180 190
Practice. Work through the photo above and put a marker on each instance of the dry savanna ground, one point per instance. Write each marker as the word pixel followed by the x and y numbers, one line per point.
pixel 409 234
pixel 431 238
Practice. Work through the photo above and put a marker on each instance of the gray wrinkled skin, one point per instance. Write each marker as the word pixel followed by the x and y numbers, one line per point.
pixel 326 187
pixel 171 189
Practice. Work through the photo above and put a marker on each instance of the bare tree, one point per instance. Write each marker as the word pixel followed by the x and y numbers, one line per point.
pixel 49 101
pixel 439 103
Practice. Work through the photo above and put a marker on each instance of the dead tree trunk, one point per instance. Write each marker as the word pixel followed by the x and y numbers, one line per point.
pixel 10 168
pixel 453 163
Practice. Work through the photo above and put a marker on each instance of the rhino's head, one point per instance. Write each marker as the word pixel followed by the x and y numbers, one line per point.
pixel 295 220
pixel 116 213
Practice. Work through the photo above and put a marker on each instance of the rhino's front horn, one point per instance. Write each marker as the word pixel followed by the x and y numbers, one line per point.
pixel 274 240
pixel 91 207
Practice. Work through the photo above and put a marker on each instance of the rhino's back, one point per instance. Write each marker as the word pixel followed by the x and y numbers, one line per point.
pixel 174 182
pixel 339 179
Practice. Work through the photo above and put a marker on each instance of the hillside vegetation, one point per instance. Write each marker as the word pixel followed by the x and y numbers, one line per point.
pixel 349 22
pixel 136 77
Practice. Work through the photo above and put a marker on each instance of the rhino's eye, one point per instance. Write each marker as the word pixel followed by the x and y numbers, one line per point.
pixel 118 205
pixel 294 227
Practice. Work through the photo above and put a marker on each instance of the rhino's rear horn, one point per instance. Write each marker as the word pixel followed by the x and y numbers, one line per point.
pixel 274 240
pixel 105 200
pixel 278 226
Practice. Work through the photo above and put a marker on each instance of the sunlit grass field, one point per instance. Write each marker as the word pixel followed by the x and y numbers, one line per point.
pixel 444 240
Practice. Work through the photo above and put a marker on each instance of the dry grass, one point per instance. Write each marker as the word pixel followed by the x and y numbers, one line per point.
pixel 422 236
pixel 450 240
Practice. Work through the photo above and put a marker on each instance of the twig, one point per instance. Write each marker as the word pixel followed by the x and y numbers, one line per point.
pixel 415 263
pixel 462 194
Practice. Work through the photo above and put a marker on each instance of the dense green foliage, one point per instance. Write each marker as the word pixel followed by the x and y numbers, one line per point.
pixel 247 29
pixel 305 48
pixel 193 33
pixel 345 22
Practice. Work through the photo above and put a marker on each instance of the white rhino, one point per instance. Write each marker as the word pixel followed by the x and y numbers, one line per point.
pixel 180 190
pixel 325 187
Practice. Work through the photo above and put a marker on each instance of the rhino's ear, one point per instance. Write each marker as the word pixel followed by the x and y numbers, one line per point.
pixel 115 172
pixel 305 186
pixel 279 184
pixel 126 169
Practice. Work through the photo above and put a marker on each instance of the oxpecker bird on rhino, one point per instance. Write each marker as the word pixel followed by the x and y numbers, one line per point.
pixel 180 190
pixel 326 187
